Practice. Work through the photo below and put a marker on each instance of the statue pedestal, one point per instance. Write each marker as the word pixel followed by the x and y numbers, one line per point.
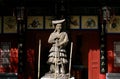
pixel 58 76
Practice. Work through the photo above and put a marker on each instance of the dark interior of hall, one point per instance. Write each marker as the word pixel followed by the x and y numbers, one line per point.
pixel 84 41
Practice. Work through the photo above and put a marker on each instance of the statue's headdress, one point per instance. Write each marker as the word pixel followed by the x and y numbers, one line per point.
pixel 58 21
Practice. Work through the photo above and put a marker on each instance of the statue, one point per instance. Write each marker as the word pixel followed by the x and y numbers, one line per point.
pixel 57 57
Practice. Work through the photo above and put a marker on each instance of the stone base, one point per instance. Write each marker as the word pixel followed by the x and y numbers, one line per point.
pixel 57 76
pixel 112 75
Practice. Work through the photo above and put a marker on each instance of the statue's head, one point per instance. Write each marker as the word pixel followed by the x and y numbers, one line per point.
pixel 58 23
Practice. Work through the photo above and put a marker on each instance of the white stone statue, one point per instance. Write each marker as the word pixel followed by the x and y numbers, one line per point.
pixel 57 57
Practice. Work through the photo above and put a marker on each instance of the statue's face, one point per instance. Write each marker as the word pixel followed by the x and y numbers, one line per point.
pixel 58 26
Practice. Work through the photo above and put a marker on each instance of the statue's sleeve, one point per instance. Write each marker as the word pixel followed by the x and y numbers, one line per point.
pixel 51 38
pixel 65 40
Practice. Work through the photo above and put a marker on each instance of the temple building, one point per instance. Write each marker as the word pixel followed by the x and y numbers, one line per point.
pixel 59 39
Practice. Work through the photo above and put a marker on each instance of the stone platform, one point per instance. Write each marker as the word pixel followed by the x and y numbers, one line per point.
pixel 58 76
